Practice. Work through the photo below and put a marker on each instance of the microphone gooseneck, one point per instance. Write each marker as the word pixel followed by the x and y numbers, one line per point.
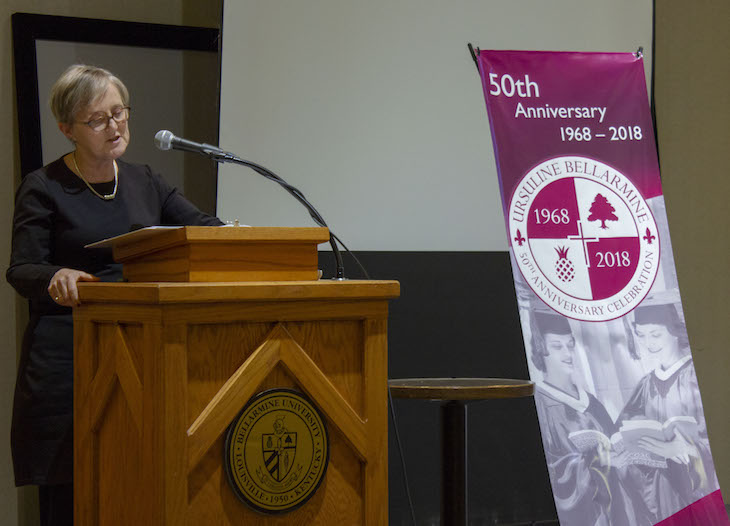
pixel 166 140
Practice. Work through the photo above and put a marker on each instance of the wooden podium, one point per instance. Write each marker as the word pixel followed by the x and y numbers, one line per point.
pixel 162 368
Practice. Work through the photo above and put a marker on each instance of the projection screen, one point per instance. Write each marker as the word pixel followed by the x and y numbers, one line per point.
pixel 374 110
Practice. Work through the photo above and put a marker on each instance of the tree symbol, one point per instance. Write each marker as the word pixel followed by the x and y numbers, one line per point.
pixel 601 210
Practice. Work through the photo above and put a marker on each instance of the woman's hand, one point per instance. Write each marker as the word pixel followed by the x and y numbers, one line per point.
pixel 63 288
pixel 620 459
pixel 603 453
pixel 678 449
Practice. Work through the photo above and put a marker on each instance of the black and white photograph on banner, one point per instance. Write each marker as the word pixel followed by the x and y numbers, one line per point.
pixel 619 404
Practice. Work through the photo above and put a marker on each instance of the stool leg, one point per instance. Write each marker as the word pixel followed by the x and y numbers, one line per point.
pixel 453 464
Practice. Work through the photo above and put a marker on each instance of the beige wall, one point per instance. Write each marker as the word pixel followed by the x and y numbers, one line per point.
pixel 185 12
pixel 693 106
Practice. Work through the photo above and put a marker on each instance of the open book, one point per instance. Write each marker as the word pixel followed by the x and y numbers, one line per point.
pixel 135 235
pixel 588 439
pixel 634 430
pixel 626 440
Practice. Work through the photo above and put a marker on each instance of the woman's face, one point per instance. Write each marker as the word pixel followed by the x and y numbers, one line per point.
pixel 107 144
pixel 656 339
pixel 560 350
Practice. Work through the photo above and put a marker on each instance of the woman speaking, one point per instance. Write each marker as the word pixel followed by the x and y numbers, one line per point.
pixel 87 195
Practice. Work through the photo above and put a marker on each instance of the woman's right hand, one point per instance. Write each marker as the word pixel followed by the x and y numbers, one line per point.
pixel 62 288
pixel 678 449
pixel 603 452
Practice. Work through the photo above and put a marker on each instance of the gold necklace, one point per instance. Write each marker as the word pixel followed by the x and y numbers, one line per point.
pixel 105 197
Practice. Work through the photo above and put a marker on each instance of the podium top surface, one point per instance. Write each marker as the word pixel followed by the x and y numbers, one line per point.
pixel 213 234
pixel 172 292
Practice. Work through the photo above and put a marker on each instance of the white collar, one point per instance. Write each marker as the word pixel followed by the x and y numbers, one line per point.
pixel 579 404
pixel 665 374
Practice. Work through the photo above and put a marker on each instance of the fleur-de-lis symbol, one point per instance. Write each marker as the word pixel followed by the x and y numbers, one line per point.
pixel 519 238
pixel 649 237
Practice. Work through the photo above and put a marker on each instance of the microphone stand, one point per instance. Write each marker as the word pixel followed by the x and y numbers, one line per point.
pixel 227 157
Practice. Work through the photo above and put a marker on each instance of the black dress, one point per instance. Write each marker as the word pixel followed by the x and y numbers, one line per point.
pixel 55 216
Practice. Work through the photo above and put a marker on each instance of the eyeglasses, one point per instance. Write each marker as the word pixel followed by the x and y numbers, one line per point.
pixel 100 124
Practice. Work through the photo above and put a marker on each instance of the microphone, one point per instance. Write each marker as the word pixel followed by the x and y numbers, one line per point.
pixel 166 140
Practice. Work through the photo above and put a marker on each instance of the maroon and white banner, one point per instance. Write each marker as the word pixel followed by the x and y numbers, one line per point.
pixel 620 411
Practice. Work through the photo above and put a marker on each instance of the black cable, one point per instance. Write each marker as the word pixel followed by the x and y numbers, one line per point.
pixel 268 174
pixel 315 215
pixel 318 219
pixel 295 192
pixel 352 254
pixel 402 458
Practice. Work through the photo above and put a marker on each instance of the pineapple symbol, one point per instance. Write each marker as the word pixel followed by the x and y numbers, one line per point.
pixel 563 266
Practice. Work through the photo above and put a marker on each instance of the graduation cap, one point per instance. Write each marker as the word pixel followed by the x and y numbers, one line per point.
pixel 660 314
pixel 551 323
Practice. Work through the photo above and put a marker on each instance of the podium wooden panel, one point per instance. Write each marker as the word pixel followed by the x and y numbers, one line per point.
pixel 161 370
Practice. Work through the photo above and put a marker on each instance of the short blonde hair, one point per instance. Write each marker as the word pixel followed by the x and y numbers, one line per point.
pixel 79 86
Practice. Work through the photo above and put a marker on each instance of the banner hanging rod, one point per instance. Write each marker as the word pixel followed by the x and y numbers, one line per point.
pixel 473 54
pixel 639 53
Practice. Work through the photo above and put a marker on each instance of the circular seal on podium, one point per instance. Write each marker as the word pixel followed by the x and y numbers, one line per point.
pixel 277 451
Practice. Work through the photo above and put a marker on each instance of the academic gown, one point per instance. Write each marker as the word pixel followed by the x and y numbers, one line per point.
pixel 584 491
pixel 659 492
pixel 55 216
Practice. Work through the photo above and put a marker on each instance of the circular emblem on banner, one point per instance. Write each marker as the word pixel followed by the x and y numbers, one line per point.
pixel 584 238
pixel 277 451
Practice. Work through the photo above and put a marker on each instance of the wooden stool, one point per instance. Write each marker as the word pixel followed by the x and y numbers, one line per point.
pixel 454 394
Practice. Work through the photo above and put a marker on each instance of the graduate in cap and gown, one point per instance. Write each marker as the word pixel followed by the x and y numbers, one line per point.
pixel 680 468
pixel 575 429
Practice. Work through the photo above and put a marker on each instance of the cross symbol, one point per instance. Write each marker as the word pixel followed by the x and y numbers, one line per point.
pixel 584 241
